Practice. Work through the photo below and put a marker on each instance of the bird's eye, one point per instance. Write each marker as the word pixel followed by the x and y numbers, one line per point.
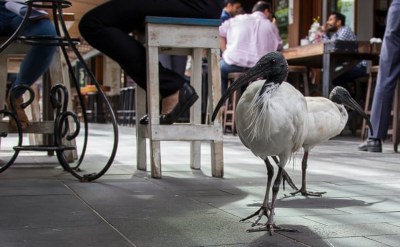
pixel 273 61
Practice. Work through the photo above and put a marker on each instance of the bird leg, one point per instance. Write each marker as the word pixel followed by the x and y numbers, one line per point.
pixel 263 210
pixel 303 189
pixel 286 176
pixel 288 179
pixel 270 226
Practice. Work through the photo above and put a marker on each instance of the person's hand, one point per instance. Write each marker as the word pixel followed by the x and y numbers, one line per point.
pixel 323 28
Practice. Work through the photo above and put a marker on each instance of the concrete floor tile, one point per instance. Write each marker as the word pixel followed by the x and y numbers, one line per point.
pixel 20 212
pixel 31 187
pixel 389 240
pixel 348 242
pixel 78 236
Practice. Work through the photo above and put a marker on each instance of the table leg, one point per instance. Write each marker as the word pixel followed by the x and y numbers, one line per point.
pixel 326 74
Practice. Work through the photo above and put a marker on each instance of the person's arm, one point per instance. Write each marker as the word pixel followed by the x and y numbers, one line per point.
pixel 223 33
pixel 222 43
pixel 277 36
pixel 345 33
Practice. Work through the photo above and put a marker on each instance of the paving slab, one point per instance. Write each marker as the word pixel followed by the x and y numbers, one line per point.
pixel 93 236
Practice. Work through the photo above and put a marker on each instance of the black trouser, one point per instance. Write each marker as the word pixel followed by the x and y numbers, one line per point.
pixel 107 28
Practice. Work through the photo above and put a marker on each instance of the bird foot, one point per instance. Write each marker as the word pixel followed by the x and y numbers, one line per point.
pixel 307 193
pixel 271 228
pixel 262 211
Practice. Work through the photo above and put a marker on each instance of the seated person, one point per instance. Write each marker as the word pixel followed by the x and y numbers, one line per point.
pixel 232 8
pixel 107 28
pixel 245 39
pixel 336 29
pixel 36 62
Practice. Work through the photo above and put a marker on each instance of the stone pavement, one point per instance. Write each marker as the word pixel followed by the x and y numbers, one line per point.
pixel 41 205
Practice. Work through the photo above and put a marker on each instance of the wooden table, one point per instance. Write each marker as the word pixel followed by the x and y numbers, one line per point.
pixel 331 55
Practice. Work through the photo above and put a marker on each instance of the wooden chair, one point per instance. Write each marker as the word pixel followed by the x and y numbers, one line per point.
pixel 230 105
pixel 300 77
pixel 394 129
pixel 180 36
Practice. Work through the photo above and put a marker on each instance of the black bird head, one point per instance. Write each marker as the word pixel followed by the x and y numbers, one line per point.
pixel 341 96
pixel 272 67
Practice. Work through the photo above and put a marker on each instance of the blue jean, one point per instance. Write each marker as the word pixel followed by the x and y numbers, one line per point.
pixel 389 72
pixel 225 70
pixel 38 59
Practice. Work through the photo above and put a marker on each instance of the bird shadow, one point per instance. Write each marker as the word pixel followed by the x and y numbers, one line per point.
pixel 319 202
pixel 302 236
pixel 281 238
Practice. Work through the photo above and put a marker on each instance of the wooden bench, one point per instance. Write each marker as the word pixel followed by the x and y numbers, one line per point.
pixel 180 36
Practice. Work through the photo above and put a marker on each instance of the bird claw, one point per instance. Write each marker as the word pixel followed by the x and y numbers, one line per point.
pixel 259 213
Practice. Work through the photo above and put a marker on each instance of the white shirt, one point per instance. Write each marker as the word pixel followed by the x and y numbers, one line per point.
pixel 248 37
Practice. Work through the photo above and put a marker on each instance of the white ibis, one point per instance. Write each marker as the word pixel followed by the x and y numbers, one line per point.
pixel 271 118
pixel 326 119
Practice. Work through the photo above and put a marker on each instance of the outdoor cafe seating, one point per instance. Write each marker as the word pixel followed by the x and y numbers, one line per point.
pixel 63 125
pixel 329 55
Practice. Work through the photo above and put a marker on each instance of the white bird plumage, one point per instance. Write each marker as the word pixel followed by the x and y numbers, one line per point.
pixel 326 119
pixel 274 124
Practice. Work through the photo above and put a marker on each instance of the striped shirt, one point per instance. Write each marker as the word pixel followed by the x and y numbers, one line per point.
pixel 344 33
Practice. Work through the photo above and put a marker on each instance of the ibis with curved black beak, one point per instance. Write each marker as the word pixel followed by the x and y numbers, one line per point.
pixel 271 119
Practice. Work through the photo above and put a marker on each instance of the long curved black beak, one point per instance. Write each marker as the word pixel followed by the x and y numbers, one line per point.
pixel 247 77
pixel 352 104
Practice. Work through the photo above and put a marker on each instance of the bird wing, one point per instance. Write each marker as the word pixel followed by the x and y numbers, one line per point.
pixel 325 120
pixel 280 126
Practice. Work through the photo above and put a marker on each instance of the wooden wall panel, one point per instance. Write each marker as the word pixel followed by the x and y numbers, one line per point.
pixel 304 12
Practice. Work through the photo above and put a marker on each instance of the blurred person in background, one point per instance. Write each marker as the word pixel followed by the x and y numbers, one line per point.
pixel 244 39
pixel 232 8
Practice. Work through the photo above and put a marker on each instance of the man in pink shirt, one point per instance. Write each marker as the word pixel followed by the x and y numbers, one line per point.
pixel 245 39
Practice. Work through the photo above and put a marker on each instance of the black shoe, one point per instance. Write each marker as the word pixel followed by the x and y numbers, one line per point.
pixel 144 119
pixel 371 145
pixel 187 97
